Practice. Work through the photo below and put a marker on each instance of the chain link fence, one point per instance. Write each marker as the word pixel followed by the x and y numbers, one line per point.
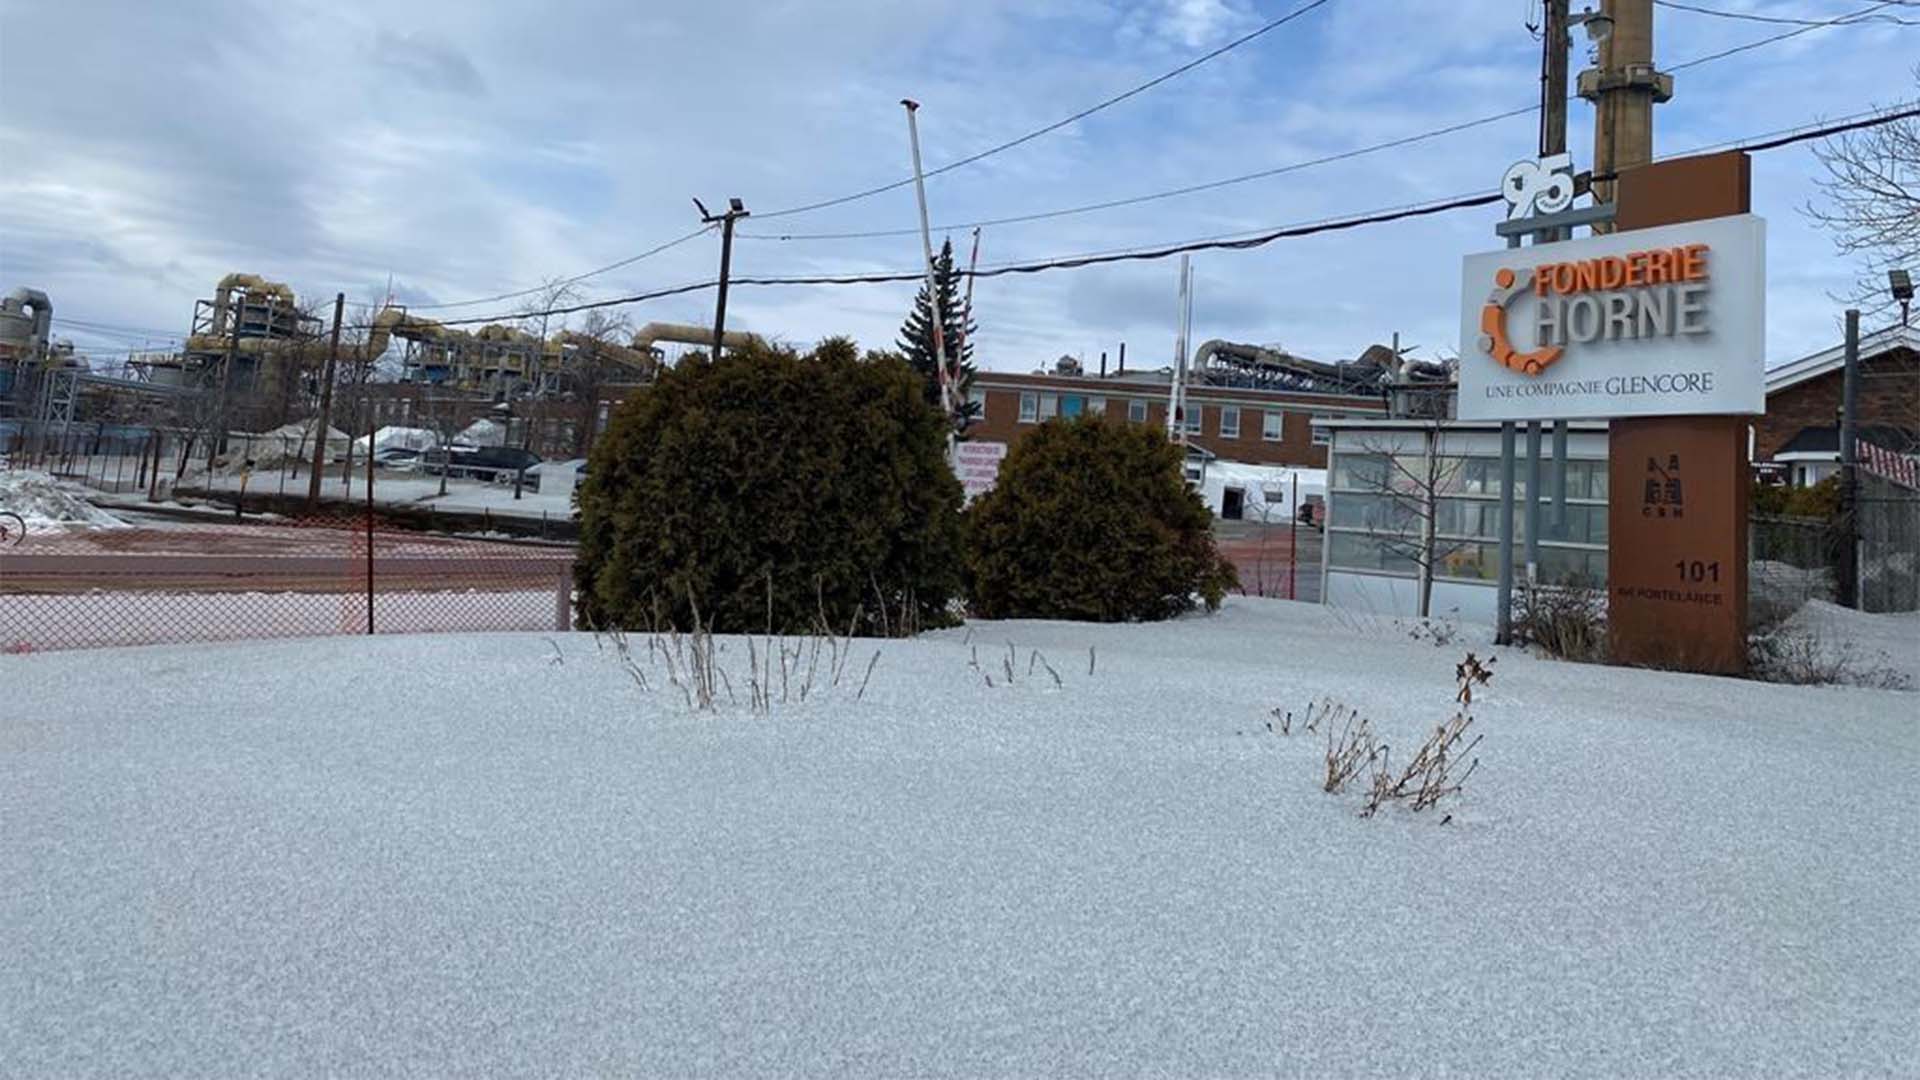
pixel 189 581
pixel 1791 560
pixel 1889 545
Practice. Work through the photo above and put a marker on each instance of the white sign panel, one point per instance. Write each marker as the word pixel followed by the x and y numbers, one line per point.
pixel 1650 322
pixel 978 465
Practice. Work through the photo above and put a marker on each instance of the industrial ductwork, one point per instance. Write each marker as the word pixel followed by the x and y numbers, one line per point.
pixel 637 358
pixel 26 324
pixel 645 337
pixel 253 284
pixel 1377 368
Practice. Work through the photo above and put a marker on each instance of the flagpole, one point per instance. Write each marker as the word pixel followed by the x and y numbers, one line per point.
pixel 933 288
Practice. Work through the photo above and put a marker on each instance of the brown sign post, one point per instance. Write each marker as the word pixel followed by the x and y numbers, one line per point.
pixel 1679 485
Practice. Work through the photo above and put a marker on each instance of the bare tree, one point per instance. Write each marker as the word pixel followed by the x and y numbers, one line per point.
pixel 1404 476
pixel 537 318
pixel 354 376
pixel 585 370
pixel 1871 202
pixel 446 419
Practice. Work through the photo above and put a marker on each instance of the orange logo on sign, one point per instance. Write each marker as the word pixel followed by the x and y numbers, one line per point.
pixel 1508 284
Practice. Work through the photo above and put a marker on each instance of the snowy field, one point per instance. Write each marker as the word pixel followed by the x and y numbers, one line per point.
pixel 463 855
pixel 414 489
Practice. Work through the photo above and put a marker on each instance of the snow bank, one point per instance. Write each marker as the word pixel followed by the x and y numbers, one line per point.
pixel 1868 642
pixel 482 433
pixel 400 438
pixel 274 859
pixel 45 503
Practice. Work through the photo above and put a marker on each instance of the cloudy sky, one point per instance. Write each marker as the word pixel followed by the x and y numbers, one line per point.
pixel 462 150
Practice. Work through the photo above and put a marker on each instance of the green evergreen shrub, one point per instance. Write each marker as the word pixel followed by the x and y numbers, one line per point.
pixel 1092 519
pixel 819 478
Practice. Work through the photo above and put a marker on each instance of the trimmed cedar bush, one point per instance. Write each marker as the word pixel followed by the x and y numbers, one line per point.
pixel 1092 519
pixel 815 485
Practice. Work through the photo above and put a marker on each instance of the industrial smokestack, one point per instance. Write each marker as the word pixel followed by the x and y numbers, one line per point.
pixel 1123 359
pixel 1103 363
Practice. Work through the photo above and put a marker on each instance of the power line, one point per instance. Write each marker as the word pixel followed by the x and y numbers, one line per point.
pixel 1838 20
pixel 1783 20
pixel 85 324
pixel 1190 189
pixel 1229 242
pixel 1298 166
pixel 1245 177
pixel 564 282
pixel 1832 127
pixel 1116 99
pixel 1134 200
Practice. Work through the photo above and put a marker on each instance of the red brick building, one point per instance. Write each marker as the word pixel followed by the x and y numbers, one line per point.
pixel 1799 435
pixel 1258 427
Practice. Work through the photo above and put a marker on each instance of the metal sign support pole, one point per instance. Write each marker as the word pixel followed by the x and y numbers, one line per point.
pixel 1533 502
pixel 1503 627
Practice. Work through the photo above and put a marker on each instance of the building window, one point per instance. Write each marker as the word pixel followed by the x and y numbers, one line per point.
pixel 1196 419
pixel 1137 411
pixel 978 397
pixel 1049 406
pixel 1097 406
pixel 1270 424
pixel 1375 520
pixel 1321 436
pixel 1229 421
pixel 1029 407
pixel 1072 405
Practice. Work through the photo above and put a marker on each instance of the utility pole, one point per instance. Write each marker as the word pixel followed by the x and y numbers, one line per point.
pixel 1849 568
pixel 1624 87
pixel 735 211
pixel 1555 44
pixel 945 379
pixel 325 420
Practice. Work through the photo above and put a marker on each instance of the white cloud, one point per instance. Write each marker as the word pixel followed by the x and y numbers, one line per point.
pixel 472 149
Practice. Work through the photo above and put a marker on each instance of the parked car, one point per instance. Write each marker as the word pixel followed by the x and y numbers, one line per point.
pixel 396 457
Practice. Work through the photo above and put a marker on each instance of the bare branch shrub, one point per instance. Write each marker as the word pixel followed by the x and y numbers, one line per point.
pixel 1433 772
pixel 1353 750
pixel 1566 621
pixel 780 670
pixel 1440 632
pixel 1470 673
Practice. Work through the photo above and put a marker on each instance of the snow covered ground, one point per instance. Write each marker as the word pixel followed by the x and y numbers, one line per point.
pixel 461 855
pixel 397 488
pixel 43 502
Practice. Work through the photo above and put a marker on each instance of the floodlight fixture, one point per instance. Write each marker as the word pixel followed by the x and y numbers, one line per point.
pixel 1599 24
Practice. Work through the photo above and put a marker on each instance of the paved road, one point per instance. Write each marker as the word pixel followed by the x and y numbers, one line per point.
pixel 255 558
pixel 1261 553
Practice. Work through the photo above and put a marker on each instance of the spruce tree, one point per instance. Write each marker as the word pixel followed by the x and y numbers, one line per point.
pixel 916 339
